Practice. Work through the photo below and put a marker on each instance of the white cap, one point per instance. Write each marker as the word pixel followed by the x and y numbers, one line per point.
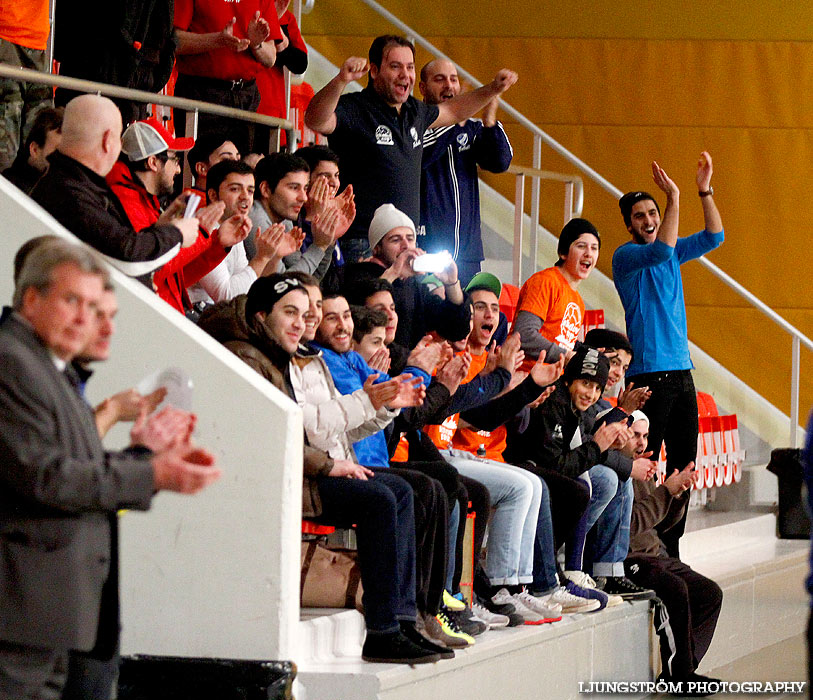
pixel 147 138
pixel 386 218
pixel 639 415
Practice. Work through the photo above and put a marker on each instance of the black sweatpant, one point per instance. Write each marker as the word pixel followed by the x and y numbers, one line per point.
pixel 672 413
pixel 692 602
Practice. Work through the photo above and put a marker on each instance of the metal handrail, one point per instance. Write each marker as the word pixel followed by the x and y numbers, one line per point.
pixel 574 200
pixel 81 85
pixel 540 137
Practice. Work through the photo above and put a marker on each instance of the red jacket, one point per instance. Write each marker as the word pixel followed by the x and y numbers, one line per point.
pixel 190 264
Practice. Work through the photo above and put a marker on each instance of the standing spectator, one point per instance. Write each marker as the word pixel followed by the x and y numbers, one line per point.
pixel 222 46
pixel 550 309
pixel 450 187
pixel 292 53
pixel 76 194
pixel 646 273
pixel 60 488
pixel 42 141
pixel 691 601
pixel 24 30
pixel 378 132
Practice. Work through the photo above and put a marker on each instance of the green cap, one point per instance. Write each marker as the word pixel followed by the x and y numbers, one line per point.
pixel 485 280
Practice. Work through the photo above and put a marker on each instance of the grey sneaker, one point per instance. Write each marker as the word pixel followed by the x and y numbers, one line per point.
pixel 493 620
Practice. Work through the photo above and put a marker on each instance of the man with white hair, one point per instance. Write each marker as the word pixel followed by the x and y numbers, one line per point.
pixel 690 602
pixel 75 193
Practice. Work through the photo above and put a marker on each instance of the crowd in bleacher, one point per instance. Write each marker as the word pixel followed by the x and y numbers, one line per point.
pixel 348 275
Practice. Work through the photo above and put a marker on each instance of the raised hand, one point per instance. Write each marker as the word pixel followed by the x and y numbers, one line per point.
pixel 454 371
pixel 411 392
pixel 319 197
pixel 510 356
pixel 539 400
pixel 503 80
pixel 663 181
pixel 234 230
pixel 631 399
pixel 165 430
pixel 607 434
pixel 643 468
pixel 382 393
pixel 704 171
pixel 380 360
pixel 354 68
pixel 258 30
pixel 346 206
pixel 209 215
pixel 269 241
pixel 679 481
pixel 188 229
pixel 324 225
pixel 227 40
pixel 425 355
pixel 543 374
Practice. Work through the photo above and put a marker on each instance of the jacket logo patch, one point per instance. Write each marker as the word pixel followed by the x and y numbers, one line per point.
pixel 416 140
pixel 463 142
pixel 383 136
pixel 557 432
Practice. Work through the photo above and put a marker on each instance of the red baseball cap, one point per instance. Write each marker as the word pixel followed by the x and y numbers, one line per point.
pixel 149 137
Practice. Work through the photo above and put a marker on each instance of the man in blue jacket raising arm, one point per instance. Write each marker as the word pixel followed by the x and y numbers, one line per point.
pixel 646 272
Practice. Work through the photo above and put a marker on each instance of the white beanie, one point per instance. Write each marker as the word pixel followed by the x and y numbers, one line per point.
pixel 386 218
pixel 639 415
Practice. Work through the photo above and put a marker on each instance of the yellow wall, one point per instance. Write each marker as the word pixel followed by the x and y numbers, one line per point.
pixel 621 84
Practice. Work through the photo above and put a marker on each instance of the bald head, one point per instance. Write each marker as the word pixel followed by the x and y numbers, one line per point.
pixel 439 81
pixel 91 132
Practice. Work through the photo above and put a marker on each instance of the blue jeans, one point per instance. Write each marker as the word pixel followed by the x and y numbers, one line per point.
pixel 609 510
pixel 512 529
pixel 603 483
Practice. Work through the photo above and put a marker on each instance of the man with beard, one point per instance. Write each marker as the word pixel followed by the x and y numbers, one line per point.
pixel 450 187
pixel 646 273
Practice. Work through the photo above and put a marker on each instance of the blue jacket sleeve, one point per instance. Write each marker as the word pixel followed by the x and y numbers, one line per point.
pixel 492 149
pixel 479 390
pixel 697 245
pixel 631 257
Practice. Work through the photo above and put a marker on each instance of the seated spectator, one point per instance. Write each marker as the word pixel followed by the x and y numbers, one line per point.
pixel 76 194
pixel 550 309
pixel 32 159
pixel 263 329
pixel 282 191
pixel 208 151
pixel 392 239
pixel 558 446
pixel 141 179
pixel 232 183
pixel 691 601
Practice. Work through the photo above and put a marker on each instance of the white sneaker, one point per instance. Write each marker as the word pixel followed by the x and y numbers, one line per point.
pixel 570 603
pixel 530 616
pixel 583 580
pixel 548 609
pixel 493 620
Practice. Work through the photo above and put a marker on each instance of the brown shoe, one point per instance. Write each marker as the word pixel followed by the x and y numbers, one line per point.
pixel 434 630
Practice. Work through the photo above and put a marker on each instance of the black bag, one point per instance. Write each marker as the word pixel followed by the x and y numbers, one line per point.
pixel 792 520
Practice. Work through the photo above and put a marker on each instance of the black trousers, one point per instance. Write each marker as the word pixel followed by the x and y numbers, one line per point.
pixel 381 508
pixel 692 603
pixel 431 535
pixel 672 413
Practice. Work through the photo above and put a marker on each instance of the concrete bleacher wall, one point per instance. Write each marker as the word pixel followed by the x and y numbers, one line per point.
pixel 216 574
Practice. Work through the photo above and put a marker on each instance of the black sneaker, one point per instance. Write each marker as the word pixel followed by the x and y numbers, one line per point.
pixel 412 634
pixel 466 622
pixel 622 586
pixel 514 618
pixel 395 648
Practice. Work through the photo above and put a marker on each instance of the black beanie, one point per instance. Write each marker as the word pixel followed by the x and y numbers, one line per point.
pixel 607 339
pixel 626 202
pixel 572 230
pixel 267 291
pixel 588 363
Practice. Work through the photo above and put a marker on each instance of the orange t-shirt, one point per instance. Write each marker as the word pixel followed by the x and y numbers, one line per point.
pixel 548 295
pixel 443 434
pixel 494 441
pixel 25 23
